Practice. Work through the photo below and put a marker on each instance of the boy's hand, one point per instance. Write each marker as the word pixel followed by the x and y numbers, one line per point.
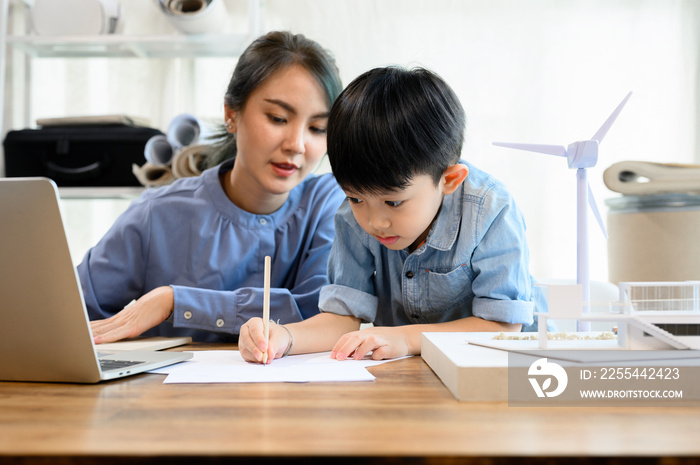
pixel 251 341
pixel 384 343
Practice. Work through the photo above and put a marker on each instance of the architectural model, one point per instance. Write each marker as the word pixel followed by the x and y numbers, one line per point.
pixel 648 315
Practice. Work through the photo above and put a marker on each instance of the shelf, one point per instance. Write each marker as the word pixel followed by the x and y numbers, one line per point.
pixel 132 46
pixel 127 193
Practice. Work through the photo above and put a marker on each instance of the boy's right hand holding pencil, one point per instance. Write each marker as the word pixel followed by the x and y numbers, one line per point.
pixel 319 333
pixel 252 344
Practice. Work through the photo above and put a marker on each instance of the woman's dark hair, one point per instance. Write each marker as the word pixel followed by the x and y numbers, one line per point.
pixel 391 124
pixel 266 55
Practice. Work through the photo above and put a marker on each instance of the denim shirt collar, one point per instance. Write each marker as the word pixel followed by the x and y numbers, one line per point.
pixel 445 229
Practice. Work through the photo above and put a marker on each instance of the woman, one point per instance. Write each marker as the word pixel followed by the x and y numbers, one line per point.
pixel 192 253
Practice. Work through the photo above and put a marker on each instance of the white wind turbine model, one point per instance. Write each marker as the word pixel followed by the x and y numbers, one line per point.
pixel 580 155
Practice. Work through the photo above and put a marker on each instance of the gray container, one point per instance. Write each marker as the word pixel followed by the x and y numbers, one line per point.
pixel 654 237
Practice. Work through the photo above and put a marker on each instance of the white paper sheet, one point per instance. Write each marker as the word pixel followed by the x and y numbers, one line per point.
pixel 227 366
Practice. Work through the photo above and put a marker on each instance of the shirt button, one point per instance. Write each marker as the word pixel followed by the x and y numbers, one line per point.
pixel 219 322
pixel 262 221
pixel 187 315
pixel 409 274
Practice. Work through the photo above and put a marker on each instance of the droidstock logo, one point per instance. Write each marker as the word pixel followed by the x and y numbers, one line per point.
pixel 546 371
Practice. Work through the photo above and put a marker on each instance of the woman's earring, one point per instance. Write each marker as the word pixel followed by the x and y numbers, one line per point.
pixel 228 124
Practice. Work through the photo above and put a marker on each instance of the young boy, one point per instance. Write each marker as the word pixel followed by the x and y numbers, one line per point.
pixel 424 241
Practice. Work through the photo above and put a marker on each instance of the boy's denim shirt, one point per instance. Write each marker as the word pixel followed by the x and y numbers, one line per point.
pixel 474 263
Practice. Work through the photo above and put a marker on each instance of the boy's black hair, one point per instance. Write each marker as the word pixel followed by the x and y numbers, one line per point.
pixel 391 124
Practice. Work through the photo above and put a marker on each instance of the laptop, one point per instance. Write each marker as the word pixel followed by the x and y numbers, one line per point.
pixel 44 328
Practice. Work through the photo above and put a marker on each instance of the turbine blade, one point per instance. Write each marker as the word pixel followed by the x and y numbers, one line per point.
pixel 558 150
pixel 596 212
pixel 611 119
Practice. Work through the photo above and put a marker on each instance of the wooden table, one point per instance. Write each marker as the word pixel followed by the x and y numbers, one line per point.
pixel 405 416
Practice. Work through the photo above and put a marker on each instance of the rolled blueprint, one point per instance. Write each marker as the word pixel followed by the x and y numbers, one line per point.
pixel 642 177
pixel 151 175
pixel 194 16
pixel 186 130
pixel 158 151
pixel 190 161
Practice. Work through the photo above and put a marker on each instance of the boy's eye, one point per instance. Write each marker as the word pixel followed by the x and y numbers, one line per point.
pixel 354 200
pixel 393 203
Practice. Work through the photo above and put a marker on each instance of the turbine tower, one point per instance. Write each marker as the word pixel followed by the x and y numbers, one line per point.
pixel 580 155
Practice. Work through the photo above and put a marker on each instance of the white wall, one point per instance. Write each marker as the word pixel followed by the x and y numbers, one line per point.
pixel 537 71
pixel 547 71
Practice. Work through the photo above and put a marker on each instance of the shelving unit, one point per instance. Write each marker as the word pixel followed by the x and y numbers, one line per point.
pixel 169 46
pixel 123 46
pixel 125 193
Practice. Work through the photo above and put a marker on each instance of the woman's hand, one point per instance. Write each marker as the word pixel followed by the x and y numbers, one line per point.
pixel 252 345
pixel 147 312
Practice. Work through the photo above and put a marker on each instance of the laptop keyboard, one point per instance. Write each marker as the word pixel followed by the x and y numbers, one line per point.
pixel 116 364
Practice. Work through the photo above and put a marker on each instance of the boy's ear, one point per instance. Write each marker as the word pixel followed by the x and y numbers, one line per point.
pixel 230 119
pixel 453 177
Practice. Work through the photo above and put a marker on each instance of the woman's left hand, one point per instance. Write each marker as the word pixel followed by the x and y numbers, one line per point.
pixel 147 312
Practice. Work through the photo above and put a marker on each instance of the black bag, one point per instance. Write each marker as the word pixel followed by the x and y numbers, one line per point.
pixel 78 155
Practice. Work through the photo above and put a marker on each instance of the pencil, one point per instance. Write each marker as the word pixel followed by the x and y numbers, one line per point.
pixel 266 307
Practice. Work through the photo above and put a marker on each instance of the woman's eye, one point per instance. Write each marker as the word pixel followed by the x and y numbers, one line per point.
pixel 318 130
pixel 354 200
pixel 393 203
pixel 276 119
